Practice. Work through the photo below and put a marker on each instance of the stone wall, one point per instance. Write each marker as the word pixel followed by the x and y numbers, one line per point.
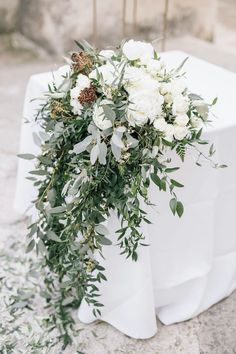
pixel 53 24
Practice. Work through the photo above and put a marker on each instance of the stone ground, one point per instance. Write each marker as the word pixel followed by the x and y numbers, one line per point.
pixel 214 331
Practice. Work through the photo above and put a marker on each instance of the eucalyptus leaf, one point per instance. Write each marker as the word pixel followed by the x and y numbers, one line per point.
pixel 26 156
pixel 94 154
pixel 82 146
pixel 52 236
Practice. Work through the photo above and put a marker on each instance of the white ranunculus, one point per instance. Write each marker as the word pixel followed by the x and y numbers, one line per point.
pixel 74 100
pixel 99 118
pixel 182 120
pixel 195 121
pixel 83 81
pixel 134 50
pixel 180 105
pixel 180 132
pixel 160 124
pixel 169 132
pixel 144 106
pixel 108 54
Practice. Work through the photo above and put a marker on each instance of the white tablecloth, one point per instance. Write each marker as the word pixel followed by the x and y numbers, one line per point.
pixel 191 262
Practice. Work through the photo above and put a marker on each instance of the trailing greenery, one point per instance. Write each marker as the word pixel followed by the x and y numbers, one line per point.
pixel 99 153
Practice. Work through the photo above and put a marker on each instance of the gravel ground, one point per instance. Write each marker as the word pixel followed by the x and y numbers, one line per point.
pixel 213 332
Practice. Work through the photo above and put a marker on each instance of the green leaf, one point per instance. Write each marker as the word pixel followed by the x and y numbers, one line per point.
pixel 214 101
pixel 173 205
pixel 52 236
pixel 156 180
pixel 94 154
pixel 68 300
pixel 57 210
pixel 101 229
pixel 199 133
pixel 103 240
pixel 134 256
pixel 176 183
pixel 30 246
pixel 39 173
pixel 181 65
pixel 26 156
pixel 179 209
pixel 41 247
pixel 172 169
pixel 109 113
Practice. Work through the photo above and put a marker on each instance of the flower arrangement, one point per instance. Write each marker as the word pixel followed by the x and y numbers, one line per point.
pixel 106 131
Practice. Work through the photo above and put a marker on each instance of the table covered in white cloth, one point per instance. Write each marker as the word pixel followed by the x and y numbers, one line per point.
pixel 191 262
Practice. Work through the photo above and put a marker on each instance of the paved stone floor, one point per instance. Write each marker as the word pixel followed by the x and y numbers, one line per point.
pixel 213 332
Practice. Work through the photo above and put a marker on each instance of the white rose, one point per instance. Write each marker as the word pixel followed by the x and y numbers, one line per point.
pixel 82 81
pixel 154 66
pixel 180 105
pixel 136 79
pixel 169 132
pixel 180 132
pixel 182 120
pixel 165 88
pixel 160 124
pixel 108 54
pixel 74 100
pixel 134 50
pixel 144 106
pixel 99 118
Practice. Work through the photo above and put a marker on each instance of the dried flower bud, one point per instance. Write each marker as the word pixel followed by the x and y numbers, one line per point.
pixel 87 95
pixel 56 109
pixel 81 62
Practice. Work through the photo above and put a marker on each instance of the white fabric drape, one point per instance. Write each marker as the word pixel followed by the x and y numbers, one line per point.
pixel 191 262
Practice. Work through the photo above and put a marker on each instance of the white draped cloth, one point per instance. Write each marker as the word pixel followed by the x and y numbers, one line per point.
pixel 191 262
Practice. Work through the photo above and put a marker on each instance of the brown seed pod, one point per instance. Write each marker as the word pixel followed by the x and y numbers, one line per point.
pixel 81 62
pixel 87 95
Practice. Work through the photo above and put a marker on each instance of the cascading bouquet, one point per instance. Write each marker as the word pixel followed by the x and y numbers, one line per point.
pixel 106 131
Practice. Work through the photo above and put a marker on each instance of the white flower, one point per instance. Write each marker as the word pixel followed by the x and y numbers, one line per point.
pixel 180 132
pixel 180 105
pixel 74 100
pixel 134 50
pixel 108 54
pixel 144 106
pixel 182 120
pixel 99 118
pixel 82 81
pixel 160 124
pixel 154 66
pixel 178 86
pixel 136 79
pixel 195 121
pixel 169 132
